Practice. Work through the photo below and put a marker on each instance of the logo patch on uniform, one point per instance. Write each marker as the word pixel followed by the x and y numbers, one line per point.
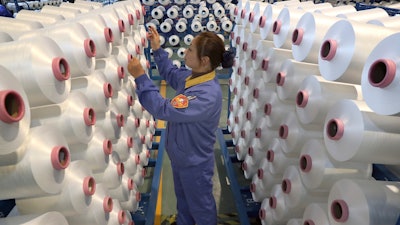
pixel 180 101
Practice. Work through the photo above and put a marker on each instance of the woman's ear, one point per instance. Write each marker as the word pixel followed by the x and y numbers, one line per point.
pixel 205 61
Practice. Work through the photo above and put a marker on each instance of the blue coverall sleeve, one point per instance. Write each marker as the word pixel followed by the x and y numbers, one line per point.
pixel 168 71
pixel 199 107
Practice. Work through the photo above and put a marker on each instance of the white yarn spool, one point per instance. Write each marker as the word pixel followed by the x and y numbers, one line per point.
pixel 166 25
pixel 295 221
pixel 280 209
pixel 241 145
pixel 342 54
pixel 218 9
pixel 196 25
pixel 316 95
pixel 364 15
pixel 132 164
pixel 319 171
pixel 308 34
pixel 16 28
pixel 181 25
pixel 293 135
pixel 267 178
pixel 73 117
pixel 379 77
pixel 174 40
pixel 212 25
pixel 42 169
pixel 164 2
pixel 112 70
pixel 363 202
pixel 82 8
pixel 158 12
pixel 277 159
pixel 254 16
pixel 290 76
pixel 97 153
pixel 122 192
pixel 272 62
pixel 226 24
pixel 65 12
pixel 74 40
pixel 238 11
pixel 260 52
pixel 122 55
pixel 111 177
pixel 111 122
pixel 122 146
pixel 180 2
pixel 123 102
pixel 96 88
pixel 79 186
pixel 112 20
pixel 181 52
pixel 203 11
pixel 5 37
pixel 352 131
pixel 138 177
pixel 177 63
pixel 267 19
pixel 276 111
pixel 15 116
pixel 390 22
pixel 125 14
pixel 53 70
pixel 50 218
pixel 117 215
pixel 45 19
pixel 133 45
pixel 172 12
pixel 95 5
pixel 284 25
pixel 148 2
pixel 252 160
pixel 258 190
pixel 316 213
pixel 339 9
pixel 296 195
pixel 250 44
pixel 265 213
pixel 132 204
pixel 263 133
pixel 188 11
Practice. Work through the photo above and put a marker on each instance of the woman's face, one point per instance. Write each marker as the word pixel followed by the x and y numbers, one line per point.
pixel 191 59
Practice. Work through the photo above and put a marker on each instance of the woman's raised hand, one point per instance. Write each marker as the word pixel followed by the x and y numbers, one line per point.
pixel 154 37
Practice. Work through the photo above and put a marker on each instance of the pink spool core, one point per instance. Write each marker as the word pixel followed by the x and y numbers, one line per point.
pixel 260 173
pixel 143 139
pixel 272 202
pixel 121 25
pixel 267 109
pixel 232 35
pixel 144 172
pixel 143 41
pixel 270 155
pixel 258 132
pixel 243 14
pixel 143 11
pixel 241 102
pixel 247 80
pixel 121 217
pixel 137 49
pixel 302 98
pixel 248 115
pixel 264 64
pixel 131 19
pixel 280 78
pixel 276 27
pixel 120 120
pixel 138 196
pixel 328 49
pixel 236 11
pixel 283 131
pixel 108 90
pixel 137 122
pixel 137 159
pixel 137 12
pixel 147 64
pixel 12 106
pixel 237 149
pixel 256 93
pixel 108 35
pixel 108 204
pixel 250 151
pixel 335 129
pixel 130 57
pixel 107 146
pixel 60 157
pixel 89 116
pixel 129 100
pixel 253 187
pixel 245 46
pixel 286 186
pixel 251 17
pixel 129 142
pixel 130 184
pixel 244 166
pixel 120 169
pixel 340 210
pixel 382 73
pixel 308 222
pixel 60 68
pixel 261 214
pixel 254 54
pixel 120 72
pixel 237 40
pixel 89 186
pixel 239 71
pixel 305 163
pixel 297 36
pixel 262 21
pixel 90 47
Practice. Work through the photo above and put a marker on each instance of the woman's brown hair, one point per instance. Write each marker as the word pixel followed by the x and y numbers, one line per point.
pixel 211 45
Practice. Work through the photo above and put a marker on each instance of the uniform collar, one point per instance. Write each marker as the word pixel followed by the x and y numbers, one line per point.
pixel 200 79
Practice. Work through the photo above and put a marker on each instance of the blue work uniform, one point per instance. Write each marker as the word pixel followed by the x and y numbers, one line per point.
pixel 193 117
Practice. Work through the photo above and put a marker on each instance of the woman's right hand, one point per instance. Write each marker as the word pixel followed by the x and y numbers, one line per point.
pixel 154 38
